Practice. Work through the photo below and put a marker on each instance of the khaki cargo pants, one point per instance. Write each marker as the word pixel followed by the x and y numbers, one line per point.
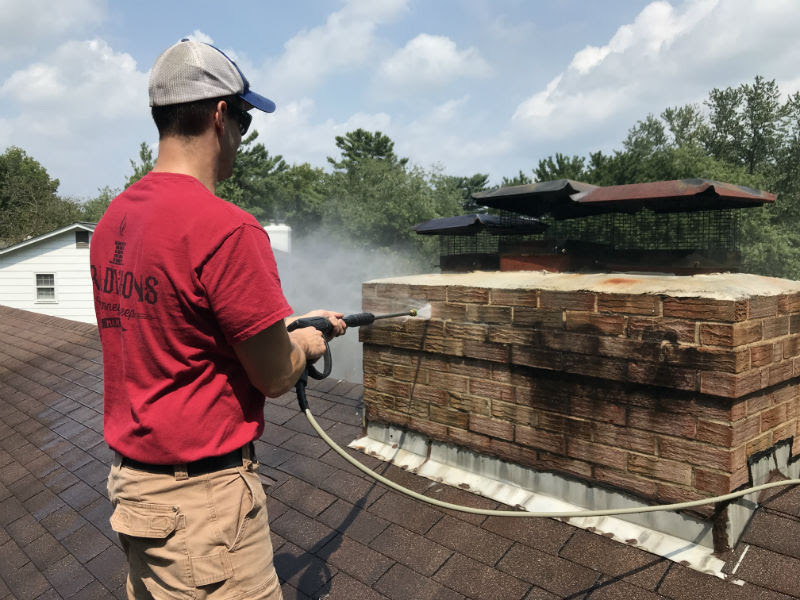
pixel 201 537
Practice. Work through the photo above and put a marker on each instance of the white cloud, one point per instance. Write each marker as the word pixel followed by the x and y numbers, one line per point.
pixel 81 111
pixel 346 40
pixel 671 54
pixel 26 26
pixel 84 80
pixel 200 36
pixel 295 135
pixel 430 61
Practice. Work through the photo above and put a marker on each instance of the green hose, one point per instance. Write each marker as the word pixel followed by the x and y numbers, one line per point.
pixel 519 513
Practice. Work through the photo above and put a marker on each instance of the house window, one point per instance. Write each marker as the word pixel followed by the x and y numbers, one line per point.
pixel 45 287
pixel 81 239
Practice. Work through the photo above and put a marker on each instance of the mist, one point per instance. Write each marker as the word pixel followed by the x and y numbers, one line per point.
pixel 321 271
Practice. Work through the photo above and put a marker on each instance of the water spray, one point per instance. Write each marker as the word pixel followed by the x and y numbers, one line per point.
pixel 360 319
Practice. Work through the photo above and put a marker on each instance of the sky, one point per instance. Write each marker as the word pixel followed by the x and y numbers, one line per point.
pixel 463 87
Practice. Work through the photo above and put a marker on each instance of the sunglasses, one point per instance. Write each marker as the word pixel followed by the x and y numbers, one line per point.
pixel 243 118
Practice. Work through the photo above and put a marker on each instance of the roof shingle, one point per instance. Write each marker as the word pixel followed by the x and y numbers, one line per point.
pixel 336 533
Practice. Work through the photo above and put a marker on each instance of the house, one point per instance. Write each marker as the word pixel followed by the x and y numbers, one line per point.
pixel 336 534
pixel 49 274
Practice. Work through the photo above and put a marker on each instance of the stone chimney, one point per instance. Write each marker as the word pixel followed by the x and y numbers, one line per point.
pixel 661 388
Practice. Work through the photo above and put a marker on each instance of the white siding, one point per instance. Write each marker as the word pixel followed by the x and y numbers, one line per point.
pixel 57 255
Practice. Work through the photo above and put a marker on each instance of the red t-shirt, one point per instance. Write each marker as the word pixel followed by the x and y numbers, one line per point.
pixel 180 276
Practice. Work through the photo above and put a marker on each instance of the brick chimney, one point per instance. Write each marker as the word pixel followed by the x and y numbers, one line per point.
pixel 663 388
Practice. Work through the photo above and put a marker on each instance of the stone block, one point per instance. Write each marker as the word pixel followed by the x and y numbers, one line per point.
pixel 562 464
pixel 663 375
pixel 492 390
pixel 491 427
pixel 539 359
pixel 789 303
pixel 448 311
pixel 675 424
pixel 429 394
pixel 608 456
pixel 486 351
pixel 662 330
pixel 538 318
pixel 449 417
pixel 503 334
pixel 513 413
pixel 706 309
pixel 595 323
pixel 695 453
pixel 660 468
pixel 763 306
pixel 730 385
pixel 730 334
pixel 466 331
pixel 775 327
pixel 628 438
pixel 628 304
pixel 515 298
pixel 625 480
pixel 467 295
pixel 567 300
pixel 479 313
pixel 469 439
pixel 537 438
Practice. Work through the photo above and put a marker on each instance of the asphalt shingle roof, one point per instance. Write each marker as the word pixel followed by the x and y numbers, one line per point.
pixel 336 533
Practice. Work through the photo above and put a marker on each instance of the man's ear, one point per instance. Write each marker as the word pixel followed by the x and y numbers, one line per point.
pixel 219 116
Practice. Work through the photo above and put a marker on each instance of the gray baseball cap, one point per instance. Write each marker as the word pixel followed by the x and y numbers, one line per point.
pixel 190 70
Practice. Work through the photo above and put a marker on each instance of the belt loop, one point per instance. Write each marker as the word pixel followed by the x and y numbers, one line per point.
pixel 181 472
pixel 248 457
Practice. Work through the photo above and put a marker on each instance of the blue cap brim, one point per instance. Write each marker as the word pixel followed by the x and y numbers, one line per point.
pixel 258 101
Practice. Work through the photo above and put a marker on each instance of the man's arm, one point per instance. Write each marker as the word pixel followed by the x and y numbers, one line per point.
pixel 274 359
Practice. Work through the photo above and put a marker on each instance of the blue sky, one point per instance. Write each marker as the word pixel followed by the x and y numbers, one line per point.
pixel 464 86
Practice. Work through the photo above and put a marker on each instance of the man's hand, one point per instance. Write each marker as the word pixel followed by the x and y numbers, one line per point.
pixel 339 326
pixel 310 341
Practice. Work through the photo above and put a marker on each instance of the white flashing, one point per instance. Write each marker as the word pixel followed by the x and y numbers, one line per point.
pixel 513 485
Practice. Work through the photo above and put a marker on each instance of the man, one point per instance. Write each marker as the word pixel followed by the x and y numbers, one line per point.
pixel 192 323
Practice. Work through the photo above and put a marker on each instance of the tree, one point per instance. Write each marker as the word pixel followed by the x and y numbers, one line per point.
pixel 560 167
pixel 376 203
pixel 29 203
pixel 300 198
pixel 519 179
pixel 360 145
pixel 465 186
pixel 256 179
pixel 92 210
pixel 143 167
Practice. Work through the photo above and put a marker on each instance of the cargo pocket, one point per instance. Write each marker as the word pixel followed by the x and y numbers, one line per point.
pixel 145 519
pixel 213 568
pixel 153 538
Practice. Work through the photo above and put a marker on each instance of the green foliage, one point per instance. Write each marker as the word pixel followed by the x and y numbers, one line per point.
pixel 377 202
pixel 93 209
pixel 256 179
pixel 561 167
pixel 519 179
pixel 29 204
pixel 465 186
pixel 143 167
pixel 361 145
pixel 746 136
pixel 300 198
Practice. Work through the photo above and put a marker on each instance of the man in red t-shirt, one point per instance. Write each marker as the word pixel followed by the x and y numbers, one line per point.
pixel 192 322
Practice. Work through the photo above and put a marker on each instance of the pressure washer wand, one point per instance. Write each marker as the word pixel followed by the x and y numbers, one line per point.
pixel 324 325
pixel 365 318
